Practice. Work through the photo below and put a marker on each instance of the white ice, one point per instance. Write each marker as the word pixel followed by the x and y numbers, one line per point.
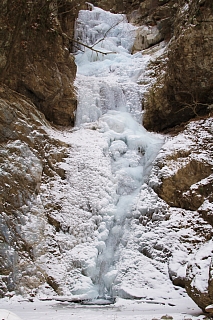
pixel 108 81
pixel 110 97
pixel 182 308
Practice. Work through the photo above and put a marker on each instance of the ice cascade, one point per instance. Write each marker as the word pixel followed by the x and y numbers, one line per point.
pixel 111 82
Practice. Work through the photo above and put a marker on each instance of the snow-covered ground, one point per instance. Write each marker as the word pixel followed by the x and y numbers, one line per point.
pixel 182 308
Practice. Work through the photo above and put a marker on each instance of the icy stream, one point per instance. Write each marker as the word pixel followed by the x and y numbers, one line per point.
pixel 110 94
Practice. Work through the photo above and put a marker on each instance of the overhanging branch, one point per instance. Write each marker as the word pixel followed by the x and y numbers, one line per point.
pixel 92 47
pixel 85 45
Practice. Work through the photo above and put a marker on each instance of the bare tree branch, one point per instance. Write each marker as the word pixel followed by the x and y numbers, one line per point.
pixel 92 47
pixel 107 32
pixel 85 45
pixel 193 105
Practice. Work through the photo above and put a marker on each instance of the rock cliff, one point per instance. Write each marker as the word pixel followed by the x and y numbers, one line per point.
pixel 34 55
pixel 27 156
pixel 182 176
pixel 183 86
pixel 37 74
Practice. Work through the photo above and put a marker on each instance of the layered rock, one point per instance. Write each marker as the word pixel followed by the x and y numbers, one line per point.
pixel 183 86
pixel 35 58
pixel 184 179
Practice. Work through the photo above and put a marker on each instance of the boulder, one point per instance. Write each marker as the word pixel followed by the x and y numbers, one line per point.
pixel 199 276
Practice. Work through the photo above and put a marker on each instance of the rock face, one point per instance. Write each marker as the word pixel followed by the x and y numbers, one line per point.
pixel 182 177
pixel 182 90
pixel 26 158
pixel 158 16
pixel 35 58
pixel 183 87
pixel 185 175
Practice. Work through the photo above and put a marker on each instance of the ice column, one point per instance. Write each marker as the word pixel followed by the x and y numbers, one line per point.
pixel 110 96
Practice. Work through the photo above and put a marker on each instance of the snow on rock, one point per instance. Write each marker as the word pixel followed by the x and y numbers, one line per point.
pixel 183 175
pixel 160 251
pixel 199 281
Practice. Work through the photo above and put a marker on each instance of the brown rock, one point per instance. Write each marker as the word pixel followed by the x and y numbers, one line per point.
pixel 174 188
pixel 184 89
pixel 36 61
pixel 185 172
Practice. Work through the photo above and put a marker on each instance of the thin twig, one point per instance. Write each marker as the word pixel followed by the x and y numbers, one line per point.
pixel 85 45
pixel 193 105
pixel 107 32
pixel 91 48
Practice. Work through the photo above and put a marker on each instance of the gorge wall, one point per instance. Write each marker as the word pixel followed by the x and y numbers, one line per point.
pixel 37 73
pixel 34 55
pixel 183 85
pixel 36 40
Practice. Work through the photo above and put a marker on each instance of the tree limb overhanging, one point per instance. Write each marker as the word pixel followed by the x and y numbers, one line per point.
pixel 107 32
pixel 92 47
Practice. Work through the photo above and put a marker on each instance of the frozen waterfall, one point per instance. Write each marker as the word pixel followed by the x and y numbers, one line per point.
pixel 110 89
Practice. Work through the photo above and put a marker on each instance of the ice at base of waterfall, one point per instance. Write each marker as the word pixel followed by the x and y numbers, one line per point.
pixel 177 309
pixel 109 101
